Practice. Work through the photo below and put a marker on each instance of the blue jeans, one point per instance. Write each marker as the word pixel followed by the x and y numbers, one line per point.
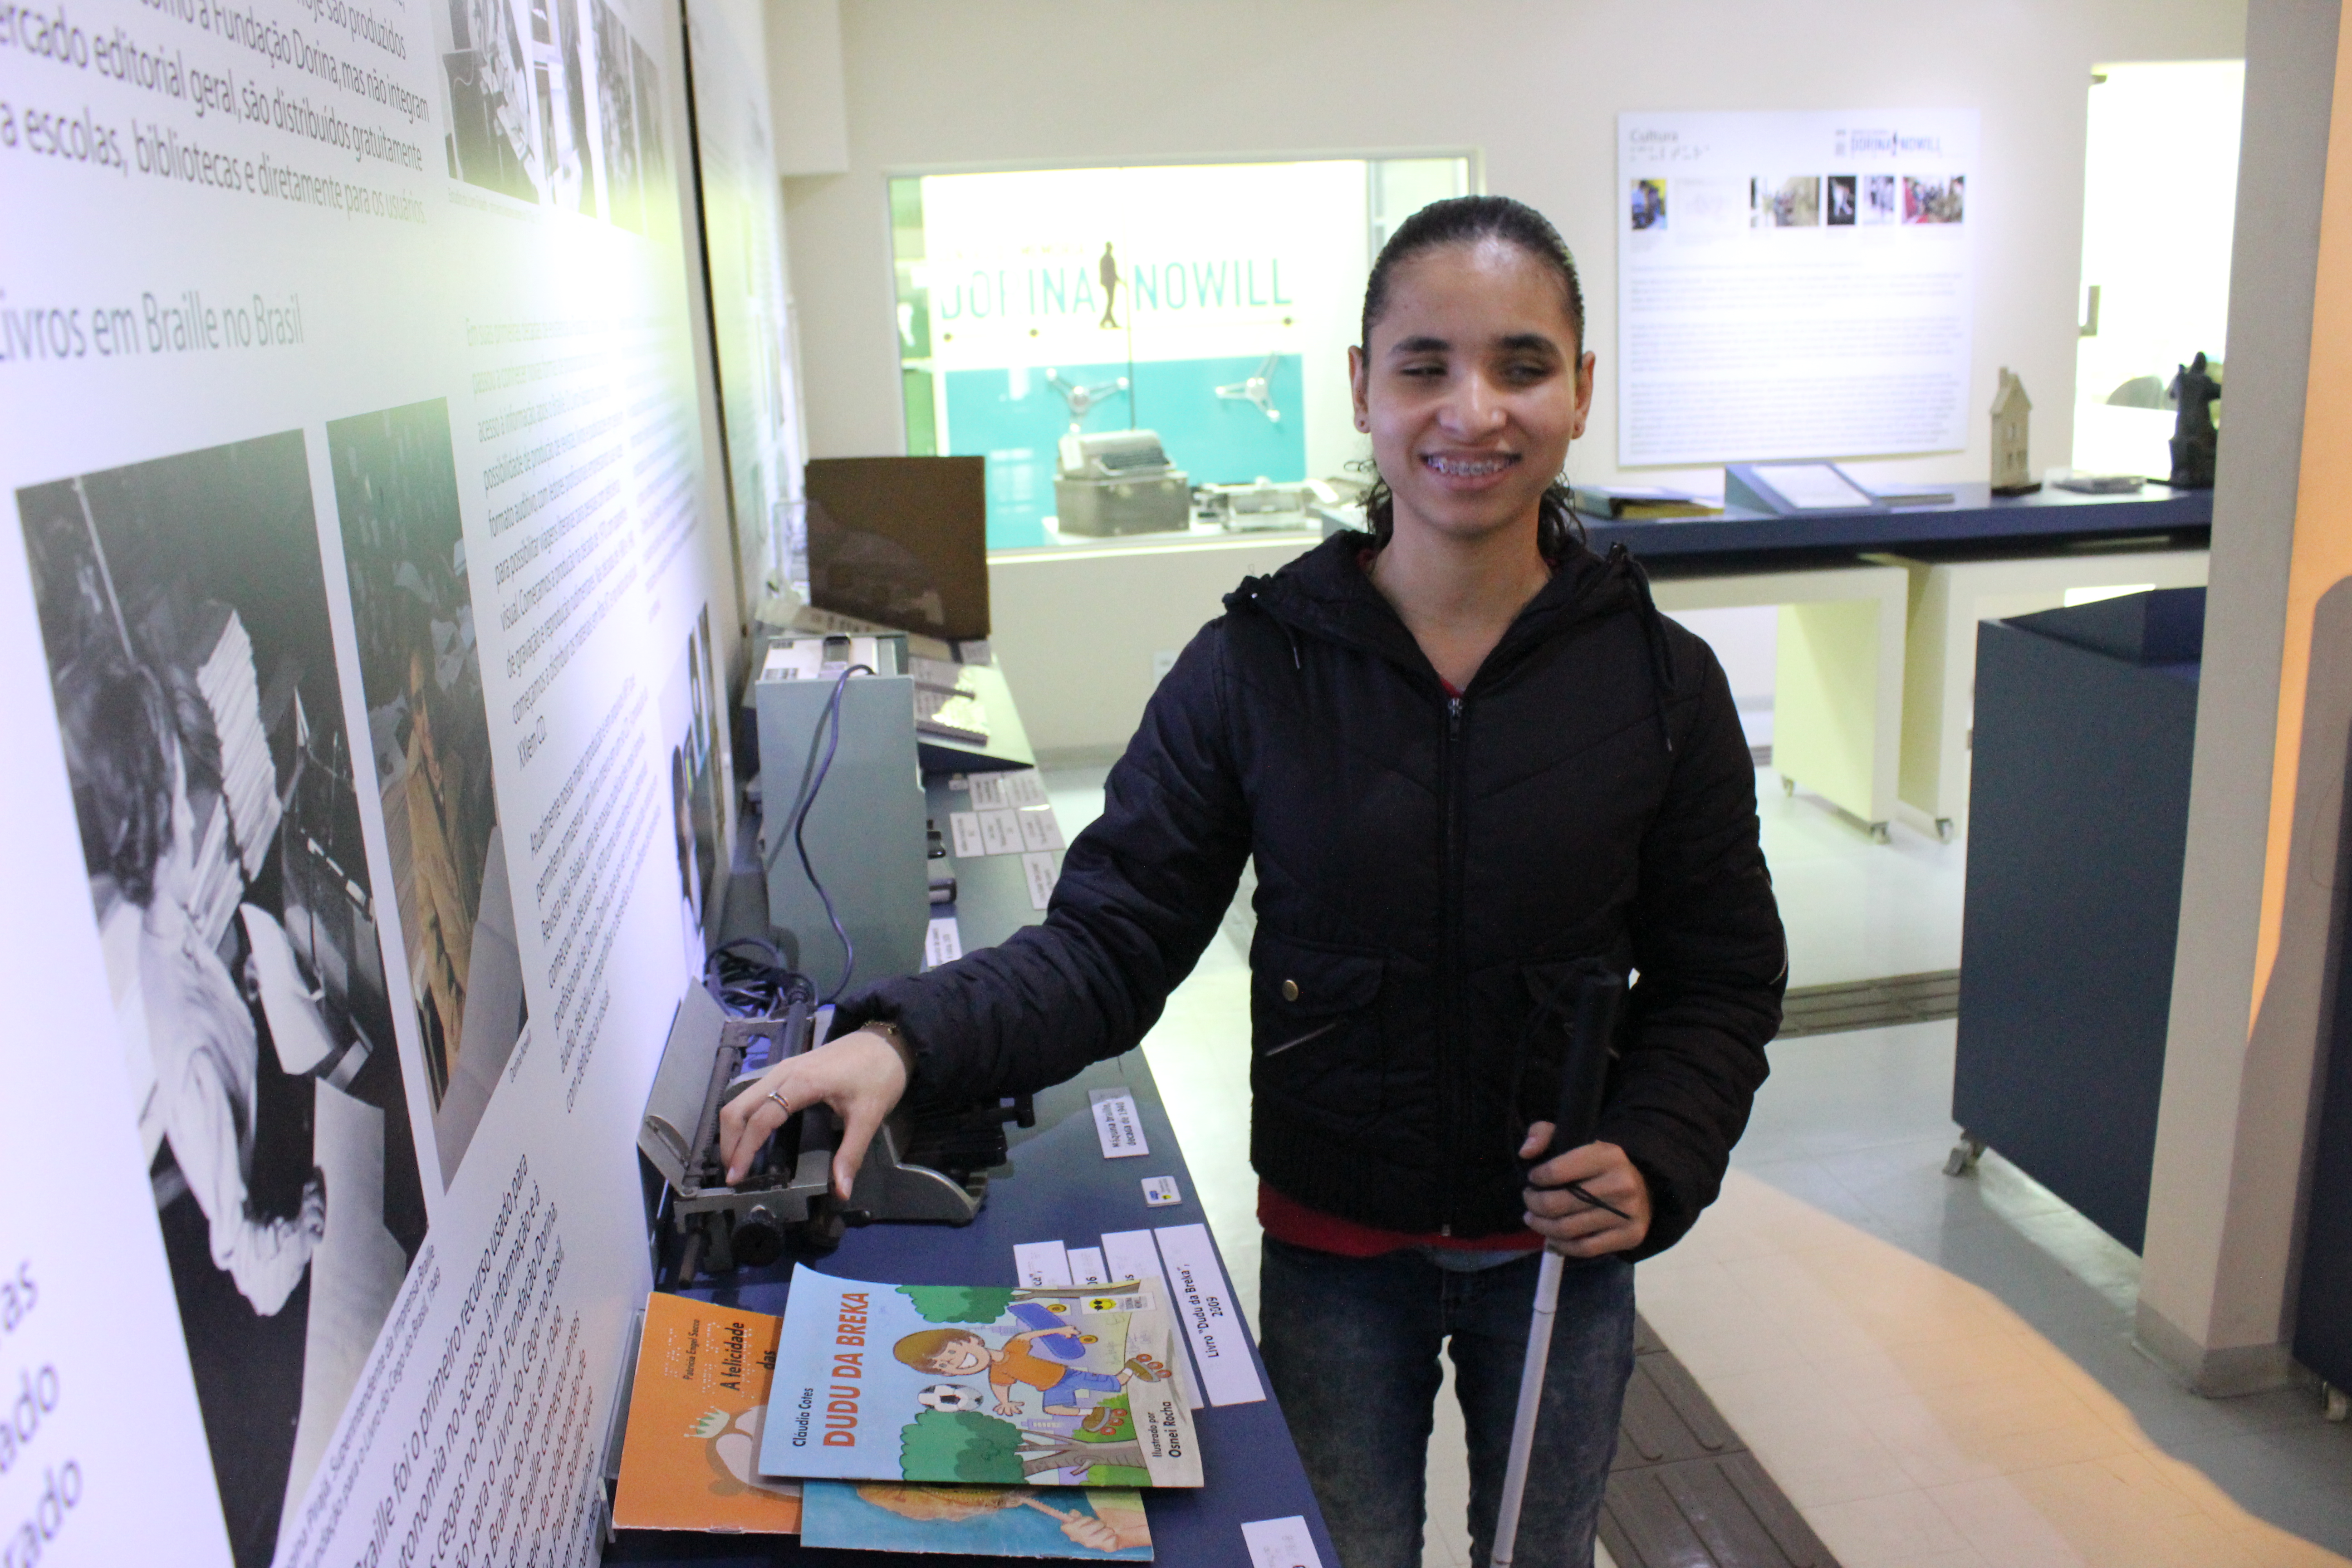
pixel 1351 1344
pixel 1066 1392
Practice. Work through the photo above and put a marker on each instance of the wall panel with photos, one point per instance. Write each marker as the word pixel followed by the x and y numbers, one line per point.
pixel 366 601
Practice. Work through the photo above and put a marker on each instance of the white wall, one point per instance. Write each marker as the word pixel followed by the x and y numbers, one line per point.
pixel 1533 85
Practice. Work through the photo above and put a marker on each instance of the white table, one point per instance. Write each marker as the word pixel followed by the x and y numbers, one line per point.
pixel 1947 598
pixel 1837 708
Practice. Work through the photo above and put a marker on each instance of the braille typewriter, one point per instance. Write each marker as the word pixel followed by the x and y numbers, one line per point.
pixel 926 1164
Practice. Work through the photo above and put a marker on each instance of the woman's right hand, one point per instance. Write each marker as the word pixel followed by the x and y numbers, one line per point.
pixel 861 1076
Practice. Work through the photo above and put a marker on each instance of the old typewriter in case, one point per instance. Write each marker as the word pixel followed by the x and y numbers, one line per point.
pixel 1118 482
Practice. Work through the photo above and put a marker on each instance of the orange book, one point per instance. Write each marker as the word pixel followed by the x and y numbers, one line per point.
pixel 690 1457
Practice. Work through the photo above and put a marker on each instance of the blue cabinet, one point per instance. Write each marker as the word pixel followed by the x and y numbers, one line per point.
pixel 2086 722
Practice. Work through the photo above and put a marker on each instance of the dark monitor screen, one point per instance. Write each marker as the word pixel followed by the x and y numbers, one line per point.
pixel 901 540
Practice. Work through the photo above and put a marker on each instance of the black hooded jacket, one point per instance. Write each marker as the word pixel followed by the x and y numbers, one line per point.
pixel 1429 869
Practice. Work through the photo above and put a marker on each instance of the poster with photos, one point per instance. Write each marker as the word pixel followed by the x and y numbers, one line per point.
pixel 1793 284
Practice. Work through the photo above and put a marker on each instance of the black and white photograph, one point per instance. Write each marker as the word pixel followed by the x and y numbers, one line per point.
pixel 429 746
pixel 494 137
pixel 696 793
pixel 1842 201
pixel 560 62
pixel 1879 202
pixel 616 114
pixel 183 608
pixel 653 157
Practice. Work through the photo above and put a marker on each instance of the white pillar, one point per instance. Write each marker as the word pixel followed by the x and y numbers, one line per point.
pixel 2217 1291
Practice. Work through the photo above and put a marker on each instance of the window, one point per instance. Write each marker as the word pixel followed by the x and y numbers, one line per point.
pixel 1211 306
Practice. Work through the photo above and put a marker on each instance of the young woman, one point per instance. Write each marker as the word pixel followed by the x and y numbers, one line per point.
pixel 1470 759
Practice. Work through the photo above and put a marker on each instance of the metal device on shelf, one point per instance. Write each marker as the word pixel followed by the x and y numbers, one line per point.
pixel 838 749
pixel 1118 482
pixel 921 1166
pixel 1084 400
pixel 1257 389
pixel 1264 507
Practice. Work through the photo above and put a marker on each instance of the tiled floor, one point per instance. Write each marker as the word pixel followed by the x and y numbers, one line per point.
pixel 1936 1371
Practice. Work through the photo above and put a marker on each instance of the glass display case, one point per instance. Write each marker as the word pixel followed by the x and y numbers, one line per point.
pixel 1050 318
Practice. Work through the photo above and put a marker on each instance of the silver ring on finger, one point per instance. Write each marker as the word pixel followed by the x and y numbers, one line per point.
pixel 782 1104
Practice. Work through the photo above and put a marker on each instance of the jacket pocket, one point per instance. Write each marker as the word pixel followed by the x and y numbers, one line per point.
pixel 1530 1024
pixel 1318 1038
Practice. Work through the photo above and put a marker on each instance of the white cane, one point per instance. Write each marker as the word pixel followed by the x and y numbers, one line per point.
pixel 1584 1075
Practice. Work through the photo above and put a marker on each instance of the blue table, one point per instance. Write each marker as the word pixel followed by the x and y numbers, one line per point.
pixel 1056 1186
pixel 1976 519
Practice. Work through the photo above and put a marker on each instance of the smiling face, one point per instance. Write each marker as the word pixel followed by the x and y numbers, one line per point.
pixel 962 1356
pixel 1472 384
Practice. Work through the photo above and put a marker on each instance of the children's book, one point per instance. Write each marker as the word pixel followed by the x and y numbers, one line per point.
pixel 1060 1387
pixel 689 1457
pixel 1095 1525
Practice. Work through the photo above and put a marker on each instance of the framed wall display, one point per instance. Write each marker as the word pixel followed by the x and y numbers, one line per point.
pixel 1793 285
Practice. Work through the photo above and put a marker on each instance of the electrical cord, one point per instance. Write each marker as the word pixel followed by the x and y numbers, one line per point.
pixel 812 781
pixel 750 979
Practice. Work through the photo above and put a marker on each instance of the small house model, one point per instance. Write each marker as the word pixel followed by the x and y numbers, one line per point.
pixel 2011 412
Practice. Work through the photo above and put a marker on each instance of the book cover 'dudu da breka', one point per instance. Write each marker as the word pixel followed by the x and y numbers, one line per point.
pixel 988 1383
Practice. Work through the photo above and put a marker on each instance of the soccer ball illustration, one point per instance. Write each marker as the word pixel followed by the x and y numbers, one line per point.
pixel 949 1397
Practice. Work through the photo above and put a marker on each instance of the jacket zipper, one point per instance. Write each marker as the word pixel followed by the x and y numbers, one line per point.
pixel 1450 939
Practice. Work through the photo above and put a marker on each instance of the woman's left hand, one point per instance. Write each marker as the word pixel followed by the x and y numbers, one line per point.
pixel 1566 1222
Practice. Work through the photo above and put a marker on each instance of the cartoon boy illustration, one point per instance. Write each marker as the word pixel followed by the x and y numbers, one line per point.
pixel 1036 1357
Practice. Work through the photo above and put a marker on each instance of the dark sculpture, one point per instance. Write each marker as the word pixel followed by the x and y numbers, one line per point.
pixel 2194 439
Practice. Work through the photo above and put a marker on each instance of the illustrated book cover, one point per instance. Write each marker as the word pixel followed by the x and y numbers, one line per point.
pixel 1061 1386
pixel 1095 1525
pixel 689 1455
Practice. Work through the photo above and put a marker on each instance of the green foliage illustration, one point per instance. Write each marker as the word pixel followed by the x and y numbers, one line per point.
pixel 959 1303
pixel 966 1445
pixel 961 1445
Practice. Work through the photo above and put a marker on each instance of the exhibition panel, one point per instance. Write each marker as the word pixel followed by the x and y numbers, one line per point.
pixel 366 629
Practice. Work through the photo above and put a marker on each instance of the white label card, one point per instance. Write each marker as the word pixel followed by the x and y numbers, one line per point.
pixel 1039 829
pixel 988 792
pixel 1026 787
pixel 1042 1263
pixel 943 941
pixel 1160 1192
pixel 1280 1543
pixel 965 826
pixel 1205 1303
pixel 1086 1267
pixel 1000 833
pixel 1131 1254
pixel 1117 1126
pixel 1039 869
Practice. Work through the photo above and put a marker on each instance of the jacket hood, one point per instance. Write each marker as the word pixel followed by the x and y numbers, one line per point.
pixel 1324 594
